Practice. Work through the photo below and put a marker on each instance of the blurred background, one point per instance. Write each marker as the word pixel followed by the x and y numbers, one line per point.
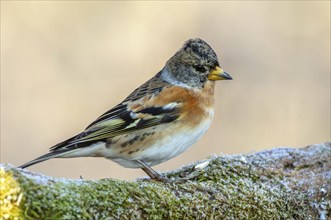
pixel 65 63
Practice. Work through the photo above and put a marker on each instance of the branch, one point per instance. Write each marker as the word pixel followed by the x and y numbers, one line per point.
pixel 281 183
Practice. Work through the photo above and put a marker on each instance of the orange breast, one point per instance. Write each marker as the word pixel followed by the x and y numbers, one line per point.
pixel 195 104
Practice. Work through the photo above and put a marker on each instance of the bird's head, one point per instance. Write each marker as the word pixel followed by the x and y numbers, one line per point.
pixel 195 63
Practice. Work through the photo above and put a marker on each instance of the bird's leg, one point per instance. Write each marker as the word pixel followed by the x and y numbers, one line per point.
pixel 150 172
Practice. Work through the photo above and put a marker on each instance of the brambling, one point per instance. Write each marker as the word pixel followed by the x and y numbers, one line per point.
pixel 157 121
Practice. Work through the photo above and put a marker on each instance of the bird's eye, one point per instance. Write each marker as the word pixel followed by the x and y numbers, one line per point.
pixel 199 68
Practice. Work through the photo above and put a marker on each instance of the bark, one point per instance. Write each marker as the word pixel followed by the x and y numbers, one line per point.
pixel 282 183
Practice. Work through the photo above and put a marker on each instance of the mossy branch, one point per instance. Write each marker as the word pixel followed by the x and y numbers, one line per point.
pixel 275 184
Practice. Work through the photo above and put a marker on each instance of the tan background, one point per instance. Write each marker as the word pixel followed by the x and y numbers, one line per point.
pixel 65 63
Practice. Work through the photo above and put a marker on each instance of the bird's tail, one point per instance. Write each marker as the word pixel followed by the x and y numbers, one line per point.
pixel 48 156
pixel 59 150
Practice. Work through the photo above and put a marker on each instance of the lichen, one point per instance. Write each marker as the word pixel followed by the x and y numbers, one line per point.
pixel 10 196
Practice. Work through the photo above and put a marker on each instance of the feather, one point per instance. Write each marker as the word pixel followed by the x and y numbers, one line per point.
pixel 123 119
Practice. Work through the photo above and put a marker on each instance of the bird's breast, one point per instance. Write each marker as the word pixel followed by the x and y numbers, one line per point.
pixel 160 143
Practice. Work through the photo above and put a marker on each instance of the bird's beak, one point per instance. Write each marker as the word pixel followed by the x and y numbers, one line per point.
pixel 218 74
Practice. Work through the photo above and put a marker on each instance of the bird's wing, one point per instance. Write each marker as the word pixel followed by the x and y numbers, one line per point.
pixel 129 116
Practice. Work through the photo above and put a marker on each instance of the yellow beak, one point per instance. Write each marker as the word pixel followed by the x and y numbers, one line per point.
pixel 218 74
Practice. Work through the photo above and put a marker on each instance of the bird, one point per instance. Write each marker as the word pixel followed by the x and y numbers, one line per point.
pixel 159 120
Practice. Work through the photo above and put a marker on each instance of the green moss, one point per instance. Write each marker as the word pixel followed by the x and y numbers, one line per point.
pixel 227 188
pixel 209 194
